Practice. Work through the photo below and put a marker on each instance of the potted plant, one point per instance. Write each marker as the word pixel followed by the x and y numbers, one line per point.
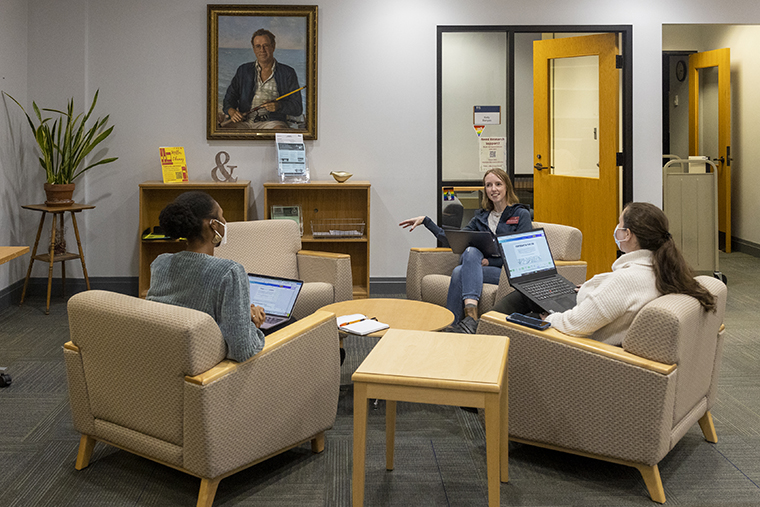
pixel 64 146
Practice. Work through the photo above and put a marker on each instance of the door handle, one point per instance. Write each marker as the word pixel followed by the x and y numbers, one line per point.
pixel 721 160
pixel 539 166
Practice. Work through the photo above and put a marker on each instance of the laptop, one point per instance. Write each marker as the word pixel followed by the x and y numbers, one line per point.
pixel 531 270
pixel 460 239
pixel 276 295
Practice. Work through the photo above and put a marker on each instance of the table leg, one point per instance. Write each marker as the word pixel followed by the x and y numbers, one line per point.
pixel 31 260
pixel 81 253
pixel 52 259
pixel 390 432
pixel 360 442
pixel 63 279
pixel 493 447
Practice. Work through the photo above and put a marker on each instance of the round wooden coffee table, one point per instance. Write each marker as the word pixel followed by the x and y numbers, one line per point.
pixel 397 313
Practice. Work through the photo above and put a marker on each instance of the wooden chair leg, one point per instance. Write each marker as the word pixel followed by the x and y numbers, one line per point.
pixel 708 428
pixel 318 443
pixel 86 445
pixel 651 476
pixel 207 492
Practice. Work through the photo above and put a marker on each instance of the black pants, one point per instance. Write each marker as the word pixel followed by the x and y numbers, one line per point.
pixel 515 302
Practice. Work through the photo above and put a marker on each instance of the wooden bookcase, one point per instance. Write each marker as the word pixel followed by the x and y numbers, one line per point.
pixel 329 200
pixel 154 195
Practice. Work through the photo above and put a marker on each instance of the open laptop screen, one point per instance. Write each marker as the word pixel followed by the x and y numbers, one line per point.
pixel 527 253
pixel 276 295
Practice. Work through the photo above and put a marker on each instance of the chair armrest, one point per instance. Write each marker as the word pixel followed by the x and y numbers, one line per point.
pixel 586 344
pixel 427 261
pixel 327 267
pixel 274 340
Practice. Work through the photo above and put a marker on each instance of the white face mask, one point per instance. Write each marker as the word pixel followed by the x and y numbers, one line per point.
pixel 223 239
pixel 614 235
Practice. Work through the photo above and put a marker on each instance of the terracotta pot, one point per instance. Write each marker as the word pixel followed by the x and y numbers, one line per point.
pixel 59 195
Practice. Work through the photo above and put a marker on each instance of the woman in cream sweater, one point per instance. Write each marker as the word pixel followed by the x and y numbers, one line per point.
pixel 651 266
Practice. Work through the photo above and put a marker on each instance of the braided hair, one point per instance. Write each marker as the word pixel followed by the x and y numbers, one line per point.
pixel 672 273
pixel 183 217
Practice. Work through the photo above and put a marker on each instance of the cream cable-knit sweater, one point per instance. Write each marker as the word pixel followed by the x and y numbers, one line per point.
pixel 216 286
pixel 608 303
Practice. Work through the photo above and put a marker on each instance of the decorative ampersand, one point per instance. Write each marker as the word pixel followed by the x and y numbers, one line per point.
pixel 220 167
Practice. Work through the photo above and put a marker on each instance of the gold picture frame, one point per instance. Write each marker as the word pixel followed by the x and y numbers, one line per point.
pixel 291 105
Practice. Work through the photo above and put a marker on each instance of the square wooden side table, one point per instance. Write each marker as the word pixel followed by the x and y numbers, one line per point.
pixel 51 257
pixel 438 368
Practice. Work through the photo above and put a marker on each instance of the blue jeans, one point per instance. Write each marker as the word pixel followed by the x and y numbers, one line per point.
pixel 467 281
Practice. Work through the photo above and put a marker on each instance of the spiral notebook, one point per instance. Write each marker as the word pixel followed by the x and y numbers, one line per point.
pixel 359 324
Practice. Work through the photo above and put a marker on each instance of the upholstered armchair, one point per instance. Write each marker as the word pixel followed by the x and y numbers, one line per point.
pixel 628 405
pixel 152 379
pixel 428 272
pixel 273 247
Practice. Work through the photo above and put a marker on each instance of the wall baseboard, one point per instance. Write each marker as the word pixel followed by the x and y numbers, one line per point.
pixel 387 286
pixel 11 295
pixel 744 246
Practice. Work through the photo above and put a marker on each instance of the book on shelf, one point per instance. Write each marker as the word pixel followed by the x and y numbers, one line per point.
pixel 357 323
pixel 173 164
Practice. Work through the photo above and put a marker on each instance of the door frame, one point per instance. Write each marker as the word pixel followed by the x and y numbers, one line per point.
pixel 626 79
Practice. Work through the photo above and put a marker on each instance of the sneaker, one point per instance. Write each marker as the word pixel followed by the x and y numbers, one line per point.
pixel 468 325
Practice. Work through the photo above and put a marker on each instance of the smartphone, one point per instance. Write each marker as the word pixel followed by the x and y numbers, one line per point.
pixel 524 320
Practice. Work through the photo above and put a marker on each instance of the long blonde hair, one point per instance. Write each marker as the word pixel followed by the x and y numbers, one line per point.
pixel 512 199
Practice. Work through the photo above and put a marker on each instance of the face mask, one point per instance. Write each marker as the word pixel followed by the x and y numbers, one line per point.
pixel 220 240
pixel 614 235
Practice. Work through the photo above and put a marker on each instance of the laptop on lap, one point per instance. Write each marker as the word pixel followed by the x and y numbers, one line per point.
pixel 276 295
pixel 531 270
pixel 460 239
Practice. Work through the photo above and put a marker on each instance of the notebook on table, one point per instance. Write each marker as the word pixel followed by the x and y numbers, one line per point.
pixel 276 295
pixel 531 270
pixel 460 239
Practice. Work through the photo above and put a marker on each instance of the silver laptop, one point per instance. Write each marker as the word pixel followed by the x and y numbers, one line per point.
pixel 460 239
pixel 276 295
pixel 531 270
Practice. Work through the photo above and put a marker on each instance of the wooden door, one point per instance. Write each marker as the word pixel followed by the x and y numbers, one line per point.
pixel 576 139
pixel 719 59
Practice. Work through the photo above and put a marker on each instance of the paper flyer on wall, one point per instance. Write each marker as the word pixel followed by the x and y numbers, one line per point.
pixel 291 156
pixel 173 164
pixel 493 153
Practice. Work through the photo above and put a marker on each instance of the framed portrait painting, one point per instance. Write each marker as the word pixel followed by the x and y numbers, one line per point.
pixel 262 71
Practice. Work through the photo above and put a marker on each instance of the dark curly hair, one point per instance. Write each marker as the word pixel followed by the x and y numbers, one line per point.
pixel 672 273
pixel 183 217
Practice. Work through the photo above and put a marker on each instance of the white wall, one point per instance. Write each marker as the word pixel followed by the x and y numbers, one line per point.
pixel 17 160
pixel 377 104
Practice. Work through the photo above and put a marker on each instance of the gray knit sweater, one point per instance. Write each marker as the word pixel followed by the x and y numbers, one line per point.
pixel 216 286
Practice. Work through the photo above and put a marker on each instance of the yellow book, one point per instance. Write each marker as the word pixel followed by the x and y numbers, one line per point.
pixel 173 164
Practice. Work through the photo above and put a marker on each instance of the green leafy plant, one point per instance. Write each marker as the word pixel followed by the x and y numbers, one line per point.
pixel 65 141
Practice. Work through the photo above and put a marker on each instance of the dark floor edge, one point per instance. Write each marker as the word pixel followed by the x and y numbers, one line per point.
pixel 11 295
pixel 744 246
pixel 387 285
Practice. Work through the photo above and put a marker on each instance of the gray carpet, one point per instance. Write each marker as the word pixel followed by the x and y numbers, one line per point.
pixel 440 451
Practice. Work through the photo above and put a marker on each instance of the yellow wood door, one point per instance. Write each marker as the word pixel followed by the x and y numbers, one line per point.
pixel 720 59
pixel 576 139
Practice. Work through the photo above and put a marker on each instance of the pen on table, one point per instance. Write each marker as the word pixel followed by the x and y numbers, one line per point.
pixel 352 322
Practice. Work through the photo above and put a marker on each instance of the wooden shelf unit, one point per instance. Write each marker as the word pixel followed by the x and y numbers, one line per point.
pixel 322 200
pixel 155 195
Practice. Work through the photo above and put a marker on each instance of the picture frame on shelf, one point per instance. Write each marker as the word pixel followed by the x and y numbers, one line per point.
pixel 244 40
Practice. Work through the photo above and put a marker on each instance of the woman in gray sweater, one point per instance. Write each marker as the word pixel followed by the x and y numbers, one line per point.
pixel 196 279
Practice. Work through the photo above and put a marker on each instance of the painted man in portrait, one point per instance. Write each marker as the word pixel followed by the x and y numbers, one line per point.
pixel 260 83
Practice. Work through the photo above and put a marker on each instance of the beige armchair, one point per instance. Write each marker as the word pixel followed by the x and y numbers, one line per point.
pixel 273 247
pixel 152 379
pixel 428 272
pixel 628 405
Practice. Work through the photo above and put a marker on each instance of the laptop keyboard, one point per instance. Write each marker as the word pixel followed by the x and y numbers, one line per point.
pixel 553 287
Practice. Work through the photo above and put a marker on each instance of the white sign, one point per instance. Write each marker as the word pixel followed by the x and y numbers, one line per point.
pixel 486 115
pixel 493 153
